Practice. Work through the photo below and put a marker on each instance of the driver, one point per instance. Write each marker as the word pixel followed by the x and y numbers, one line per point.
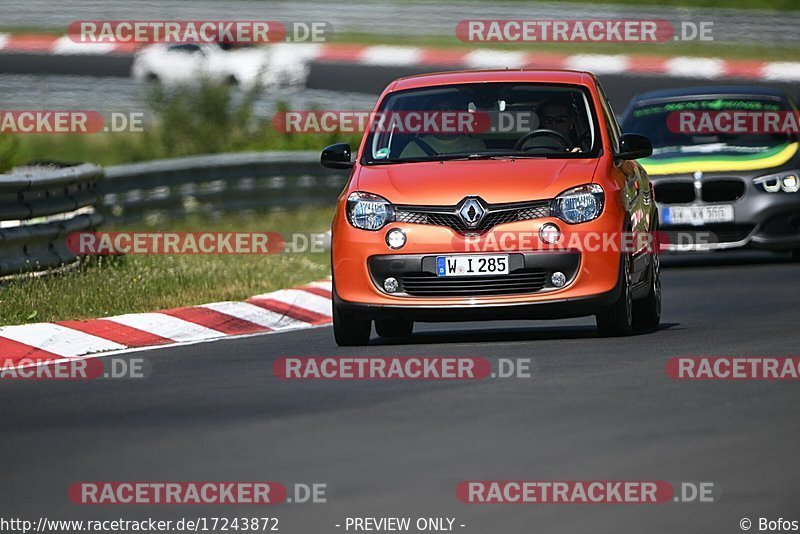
pixel 442 143
pixel 556 114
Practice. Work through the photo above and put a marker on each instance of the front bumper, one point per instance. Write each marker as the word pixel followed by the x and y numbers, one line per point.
pixel 361 261
pixel 529 272
pixel 561 308
pixel 762 220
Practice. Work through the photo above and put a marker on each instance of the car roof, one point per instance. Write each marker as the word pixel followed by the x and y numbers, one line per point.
pixel 570 77
pixel 711 91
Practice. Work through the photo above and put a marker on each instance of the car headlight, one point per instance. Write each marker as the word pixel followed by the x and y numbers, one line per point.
pixel 580 204
pixel 788 182
pixel 368 211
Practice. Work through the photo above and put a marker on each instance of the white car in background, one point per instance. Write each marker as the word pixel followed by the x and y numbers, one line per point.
pixel 278 65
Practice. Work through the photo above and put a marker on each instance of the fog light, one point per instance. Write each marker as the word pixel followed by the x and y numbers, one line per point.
pixel 550 234
pixel 390 285
pixel 790 184
pixel 396 238
pixel 558 279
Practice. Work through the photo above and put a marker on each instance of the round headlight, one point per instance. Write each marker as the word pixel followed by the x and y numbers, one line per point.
pixel 369 212
pixel 771 185
pixel 790 183
pixel 580 204
pixel 396 238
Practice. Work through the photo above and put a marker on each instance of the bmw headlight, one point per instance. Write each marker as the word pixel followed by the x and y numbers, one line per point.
pixel 788 182
pixel 368 211
pixel 580 204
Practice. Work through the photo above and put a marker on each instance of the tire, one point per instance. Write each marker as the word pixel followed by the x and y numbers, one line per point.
pixel 647 311
pixel 350 332
pixel 394 327
pixel 796 255
pixel 617 319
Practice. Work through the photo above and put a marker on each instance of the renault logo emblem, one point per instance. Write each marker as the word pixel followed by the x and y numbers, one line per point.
pixel 471 212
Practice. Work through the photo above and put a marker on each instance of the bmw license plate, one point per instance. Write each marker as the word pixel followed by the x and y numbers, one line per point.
pixel 475 265
pixel 697 215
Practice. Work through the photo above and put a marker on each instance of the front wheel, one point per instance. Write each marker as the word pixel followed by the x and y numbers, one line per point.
pixel 647 311
pixel 348 331
pixel 617 319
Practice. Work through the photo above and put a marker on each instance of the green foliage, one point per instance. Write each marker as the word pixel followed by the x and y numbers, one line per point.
pixel 8 149
pixel 184 120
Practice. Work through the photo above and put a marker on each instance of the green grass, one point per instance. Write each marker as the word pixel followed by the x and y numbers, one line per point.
pixel 139 283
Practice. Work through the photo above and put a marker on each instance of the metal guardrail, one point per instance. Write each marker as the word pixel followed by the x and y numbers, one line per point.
pixel 207 184
pixel 38 210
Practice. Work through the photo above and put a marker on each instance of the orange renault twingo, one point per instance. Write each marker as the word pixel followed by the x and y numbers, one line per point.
pixel 470 222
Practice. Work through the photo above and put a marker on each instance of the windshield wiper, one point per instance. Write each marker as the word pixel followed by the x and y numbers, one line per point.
pixel 510 155
pixel 463 157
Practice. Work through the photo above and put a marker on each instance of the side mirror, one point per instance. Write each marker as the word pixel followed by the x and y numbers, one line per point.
pixel 634 146
pixel 336 156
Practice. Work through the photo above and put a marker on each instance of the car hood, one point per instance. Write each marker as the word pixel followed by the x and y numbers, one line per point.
pixel 495 181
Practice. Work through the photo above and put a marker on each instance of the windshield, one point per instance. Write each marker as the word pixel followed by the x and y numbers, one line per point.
pixel 656 120
pixel 483 121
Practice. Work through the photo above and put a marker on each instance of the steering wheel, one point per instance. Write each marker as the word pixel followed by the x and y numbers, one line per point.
pixel 541 132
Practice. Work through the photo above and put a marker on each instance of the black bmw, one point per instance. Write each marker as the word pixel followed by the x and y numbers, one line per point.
pixel 721 189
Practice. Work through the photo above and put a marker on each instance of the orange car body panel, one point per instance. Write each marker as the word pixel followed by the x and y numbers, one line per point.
pixel 448 182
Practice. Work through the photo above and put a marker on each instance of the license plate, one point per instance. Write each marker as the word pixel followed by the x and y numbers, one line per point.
pixel 697 215
pixel 471 265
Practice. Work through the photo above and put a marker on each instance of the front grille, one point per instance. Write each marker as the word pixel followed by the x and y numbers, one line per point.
pixel 723 190
pixel 723 233
pixel 422 284
pixel 495 215
pixel 683 192
pixel 675 193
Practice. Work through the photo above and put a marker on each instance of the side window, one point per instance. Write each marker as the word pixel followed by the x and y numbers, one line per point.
pixel 614 131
